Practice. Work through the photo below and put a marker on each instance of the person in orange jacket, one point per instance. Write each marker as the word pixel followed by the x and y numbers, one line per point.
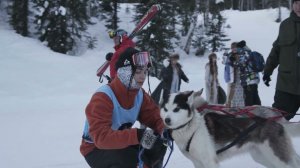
pixel 109 140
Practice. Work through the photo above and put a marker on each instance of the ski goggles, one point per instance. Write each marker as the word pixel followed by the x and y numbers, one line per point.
pixel 141 59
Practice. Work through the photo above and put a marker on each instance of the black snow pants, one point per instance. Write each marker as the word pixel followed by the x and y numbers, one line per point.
pixel 113 158
pixel 287 102
pixel 127 157
pixel 251 95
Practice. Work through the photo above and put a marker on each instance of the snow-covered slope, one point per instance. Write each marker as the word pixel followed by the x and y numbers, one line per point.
pixel 43 94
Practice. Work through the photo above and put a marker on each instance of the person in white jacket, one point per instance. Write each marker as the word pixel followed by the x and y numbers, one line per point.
pixel 211 79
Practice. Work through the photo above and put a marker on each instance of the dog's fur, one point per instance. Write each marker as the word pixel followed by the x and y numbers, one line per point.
pixel 200 135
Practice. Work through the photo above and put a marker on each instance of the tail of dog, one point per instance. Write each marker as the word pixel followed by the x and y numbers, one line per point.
pixel 293 128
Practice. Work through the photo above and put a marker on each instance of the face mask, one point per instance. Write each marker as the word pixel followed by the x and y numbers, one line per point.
pixel 124 74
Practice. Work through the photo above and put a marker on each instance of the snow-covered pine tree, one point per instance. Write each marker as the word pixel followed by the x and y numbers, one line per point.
pixel 215 33
pixel 109 10
pixel 78 19
pixel 215 29
pixel 198 41
pixel 185 14
pixel 61 24
pixel 19 16
pixel 159 35
pixel 93 8
pixel 210 35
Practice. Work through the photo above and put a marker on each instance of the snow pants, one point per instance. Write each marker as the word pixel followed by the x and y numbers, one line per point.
pixel 251 95
pixel 127 157
pixel 287 102
pixel 113 158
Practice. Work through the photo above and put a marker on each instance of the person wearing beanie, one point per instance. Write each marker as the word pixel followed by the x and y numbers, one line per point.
pixel 241 44
pixel 285 55
pixel 171 77
pixel 249 78
pixel 122 42
pixel 109 138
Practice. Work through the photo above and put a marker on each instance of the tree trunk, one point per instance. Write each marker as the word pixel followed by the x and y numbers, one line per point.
pixel 115 15
pixel 241 5
pixel 190 34
pixel 278 20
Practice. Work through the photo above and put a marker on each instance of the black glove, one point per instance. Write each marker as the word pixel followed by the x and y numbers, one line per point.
pixel 109 56
pixel 226 54
pixel 154 157
pixel 266 79
pixel 154 146
pixel 147 138
pixel 232 58
pixel 167 135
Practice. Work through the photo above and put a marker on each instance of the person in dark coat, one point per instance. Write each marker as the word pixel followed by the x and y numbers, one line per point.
pixel 286 54
pixel 172 76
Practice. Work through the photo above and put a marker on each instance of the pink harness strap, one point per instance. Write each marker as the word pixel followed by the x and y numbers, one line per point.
pixel 244 111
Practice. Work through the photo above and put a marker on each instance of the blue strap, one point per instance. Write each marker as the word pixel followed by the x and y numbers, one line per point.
pixel 171 145
pixel 141 163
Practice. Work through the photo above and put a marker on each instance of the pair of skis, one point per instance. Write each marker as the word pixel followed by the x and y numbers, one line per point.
pixel 144 21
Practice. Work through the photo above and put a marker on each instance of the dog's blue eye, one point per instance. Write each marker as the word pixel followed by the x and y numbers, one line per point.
pixel 176 109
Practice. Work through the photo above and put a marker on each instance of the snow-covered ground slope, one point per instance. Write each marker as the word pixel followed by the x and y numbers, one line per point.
pixel 43 94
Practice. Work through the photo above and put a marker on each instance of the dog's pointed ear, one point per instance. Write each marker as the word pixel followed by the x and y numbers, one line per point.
pixel 198 93
pixel 196 100
pixel 188 93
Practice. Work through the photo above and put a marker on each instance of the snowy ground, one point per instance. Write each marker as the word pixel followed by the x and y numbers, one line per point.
pixel 43 94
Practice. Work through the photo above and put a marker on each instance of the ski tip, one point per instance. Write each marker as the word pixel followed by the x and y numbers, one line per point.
pixel 158 6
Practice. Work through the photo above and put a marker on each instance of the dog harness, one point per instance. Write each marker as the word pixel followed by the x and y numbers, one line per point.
pixel 248 111
pixel 121 118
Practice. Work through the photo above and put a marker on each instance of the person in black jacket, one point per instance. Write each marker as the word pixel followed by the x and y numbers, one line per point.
pixel 285 55
pixel 172 76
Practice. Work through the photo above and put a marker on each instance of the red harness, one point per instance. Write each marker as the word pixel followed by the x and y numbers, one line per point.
pixel 243 112
pixel 247 111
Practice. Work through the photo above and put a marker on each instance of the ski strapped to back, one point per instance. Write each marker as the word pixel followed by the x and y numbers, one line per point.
pixel 146 19
pixel 101 70
pixel 143 22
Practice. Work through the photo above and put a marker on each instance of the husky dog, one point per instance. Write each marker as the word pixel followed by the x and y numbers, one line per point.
pixel 206 138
